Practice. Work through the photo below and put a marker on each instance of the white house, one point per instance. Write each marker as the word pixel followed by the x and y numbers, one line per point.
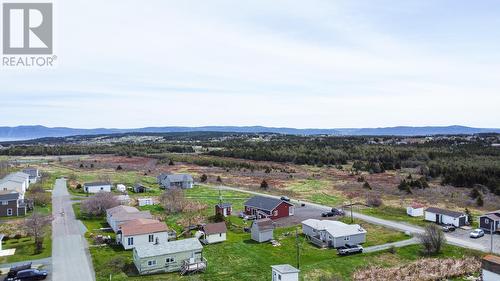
pixel 95 187
pixel 491 268
pixel 327 233
pixel 415 210
pixel 284 272
pixel 121 214
pixel 34 174
pixel 145 201
pixel 121 187
pixel 141 232
pixel 442 216
pixel 214 233
pixel 18 182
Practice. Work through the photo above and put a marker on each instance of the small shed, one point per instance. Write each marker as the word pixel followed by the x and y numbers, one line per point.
pixel 262 230
pixel 415 210
pixel 223 209
pixel 442 216
pixel 121 187
pixel 139 188
pixel 1 238
pixel 214 233
pixel 284 272
pixel 145 201
pixel 491 268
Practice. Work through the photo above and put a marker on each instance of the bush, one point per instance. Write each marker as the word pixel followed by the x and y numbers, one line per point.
pixel 116 264
pixel 264 184
pixel 203 178
pixel 374 200
pixel 119 168
pixel 219 179
pixel 367 185
pixel 432 239
pixel 99 203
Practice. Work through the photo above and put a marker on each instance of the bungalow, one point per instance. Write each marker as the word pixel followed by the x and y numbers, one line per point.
pixel 442 216
pixel 262 230
pixel 284 272
pixel 491 268
pixel 327 233
pixel 268 207
pixel 180 255
pixel 490 221
pixel 121 214
pixel 223 209
pixel 214 233
pixel 141 232
pixel 34 174
pixel 95 187
pixel 415 210
pixel 11 204
pixel 175 180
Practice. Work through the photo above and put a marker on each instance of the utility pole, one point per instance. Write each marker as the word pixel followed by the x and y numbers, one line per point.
pixel 491 236
pixel 297 247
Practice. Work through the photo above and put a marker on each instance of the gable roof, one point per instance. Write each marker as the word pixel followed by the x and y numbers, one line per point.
pixel 123 217
pixel 264 224
pixel 176 177
pixel 97 183
pixel 32 172
pixel 416 205
pixel 213 228
pixel 285 268
pixel 172 247
pixel 492 216
pixel 444 212
pixel 121 209
pixel 142 226
pixel 334 228
pixel 224 205
pixel 264 203
pixel 6 195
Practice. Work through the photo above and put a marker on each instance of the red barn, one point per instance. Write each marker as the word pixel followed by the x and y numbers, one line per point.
pixel 268 207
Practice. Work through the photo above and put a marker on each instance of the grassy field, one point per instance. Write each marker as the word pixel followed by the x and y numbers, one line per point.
pixel 392 213
pixel 25 248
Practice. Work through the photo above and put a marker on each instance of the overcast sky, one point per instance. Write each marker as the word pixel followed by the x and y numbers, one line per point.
pixel 321 64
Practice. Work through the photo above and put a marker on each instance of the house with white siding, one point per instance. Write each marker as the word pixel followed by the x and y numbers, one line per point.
pixel 213 233
pixel 284 272
pixel 262 230
pixel 141 232
pixel 34 174
pixel 442 216
pixel 327 233
pixel 95 187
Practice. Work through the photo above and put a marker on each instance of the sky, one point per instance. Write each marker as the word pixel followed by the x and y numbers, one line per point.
pixel 302 64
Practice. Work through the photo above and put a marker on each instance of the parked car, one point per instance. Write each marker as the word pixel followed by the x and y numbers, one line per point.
pixel 327 214
pixel 284 198
pixel 349 249
pixel 29 275
pixel 476 233
pixel 15 269
pixel 338 212
pixel 449 228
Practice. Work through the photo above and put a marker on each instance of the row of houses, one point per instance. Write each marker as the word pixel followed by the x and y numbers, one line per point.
pixel 12 191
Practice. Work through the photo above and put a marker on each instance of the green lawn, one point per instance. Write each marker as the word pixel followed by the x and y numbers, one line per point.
pixel 377 235
pixel 25 248
pixel 392 213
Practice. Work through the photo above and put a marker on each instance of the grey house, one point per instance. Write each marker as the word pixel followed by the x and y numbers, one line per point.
pixel 490 221
pixel 180 255
pixel 262 230
pixel 175 180
pixel 34 174
pixel 327 233
pixel 11 204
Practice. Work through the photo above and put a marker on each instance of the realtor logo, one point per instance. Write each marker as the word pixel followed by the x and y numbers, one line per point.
pixel 27 28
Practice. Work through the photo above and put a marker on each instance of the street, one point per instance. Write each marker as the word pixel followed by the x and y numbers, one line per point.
pixel 451 238
pixel 70 256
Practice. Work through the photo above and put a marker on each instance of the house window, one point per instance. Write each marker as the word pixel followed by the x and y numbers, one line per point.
pixel 152 263
pixel 151 238
pixel 275 212
pixel 486 221
pixel 220 234
pixel 130 241
pixel 279 276
pixel 169 260
pixel 5 202
pixel 9 212
pixel 347 238
pixel 102 188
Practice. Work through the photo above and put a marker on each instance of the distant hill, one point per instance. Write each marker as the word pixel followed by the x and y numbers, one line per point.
pixel 33 132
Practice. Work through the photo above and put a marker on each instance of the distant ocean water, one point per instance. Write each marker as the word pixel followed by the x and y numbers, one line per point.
pixel 10 139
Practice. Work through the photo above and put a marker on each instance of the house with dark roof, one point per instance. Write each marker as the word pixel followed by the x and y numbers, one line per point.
pixel 268 207
pixel 34 174
pixel 223 209
pixel 262 230
pixel 490 221
pixel 213 233
pixel 95 187
pixel 11 204
pixel 443 216
pixel 141 232
pixel 175 180
pixel 490 268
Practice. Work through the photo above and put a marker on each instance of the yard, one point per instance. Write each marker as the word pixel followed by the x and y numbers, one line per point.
pixel 25 248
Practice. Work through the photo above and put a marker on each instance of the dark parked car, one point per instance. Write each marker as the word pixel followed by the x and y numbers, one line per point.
pixel 449 228
pixel 327 214
pixel 28 275
pixel 15 269
pixel 338 212
pixel 349 249
pixel 284 198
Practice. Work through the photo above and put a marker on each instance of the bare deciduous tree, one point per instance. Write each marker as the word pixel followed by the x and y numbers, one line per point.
pixel 432 239
pixel 36 226
pixel 173 200
pixel 97 204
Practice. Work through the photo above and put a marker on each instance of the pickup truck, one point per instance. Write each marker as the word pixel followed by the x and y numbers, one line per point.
pixel 349 249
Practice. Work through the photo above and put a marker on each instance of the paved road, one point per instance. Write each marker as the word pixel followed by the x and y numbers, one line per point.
pixel 404 227
pixel 70 255
pixel 398 244
pixel 45 263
